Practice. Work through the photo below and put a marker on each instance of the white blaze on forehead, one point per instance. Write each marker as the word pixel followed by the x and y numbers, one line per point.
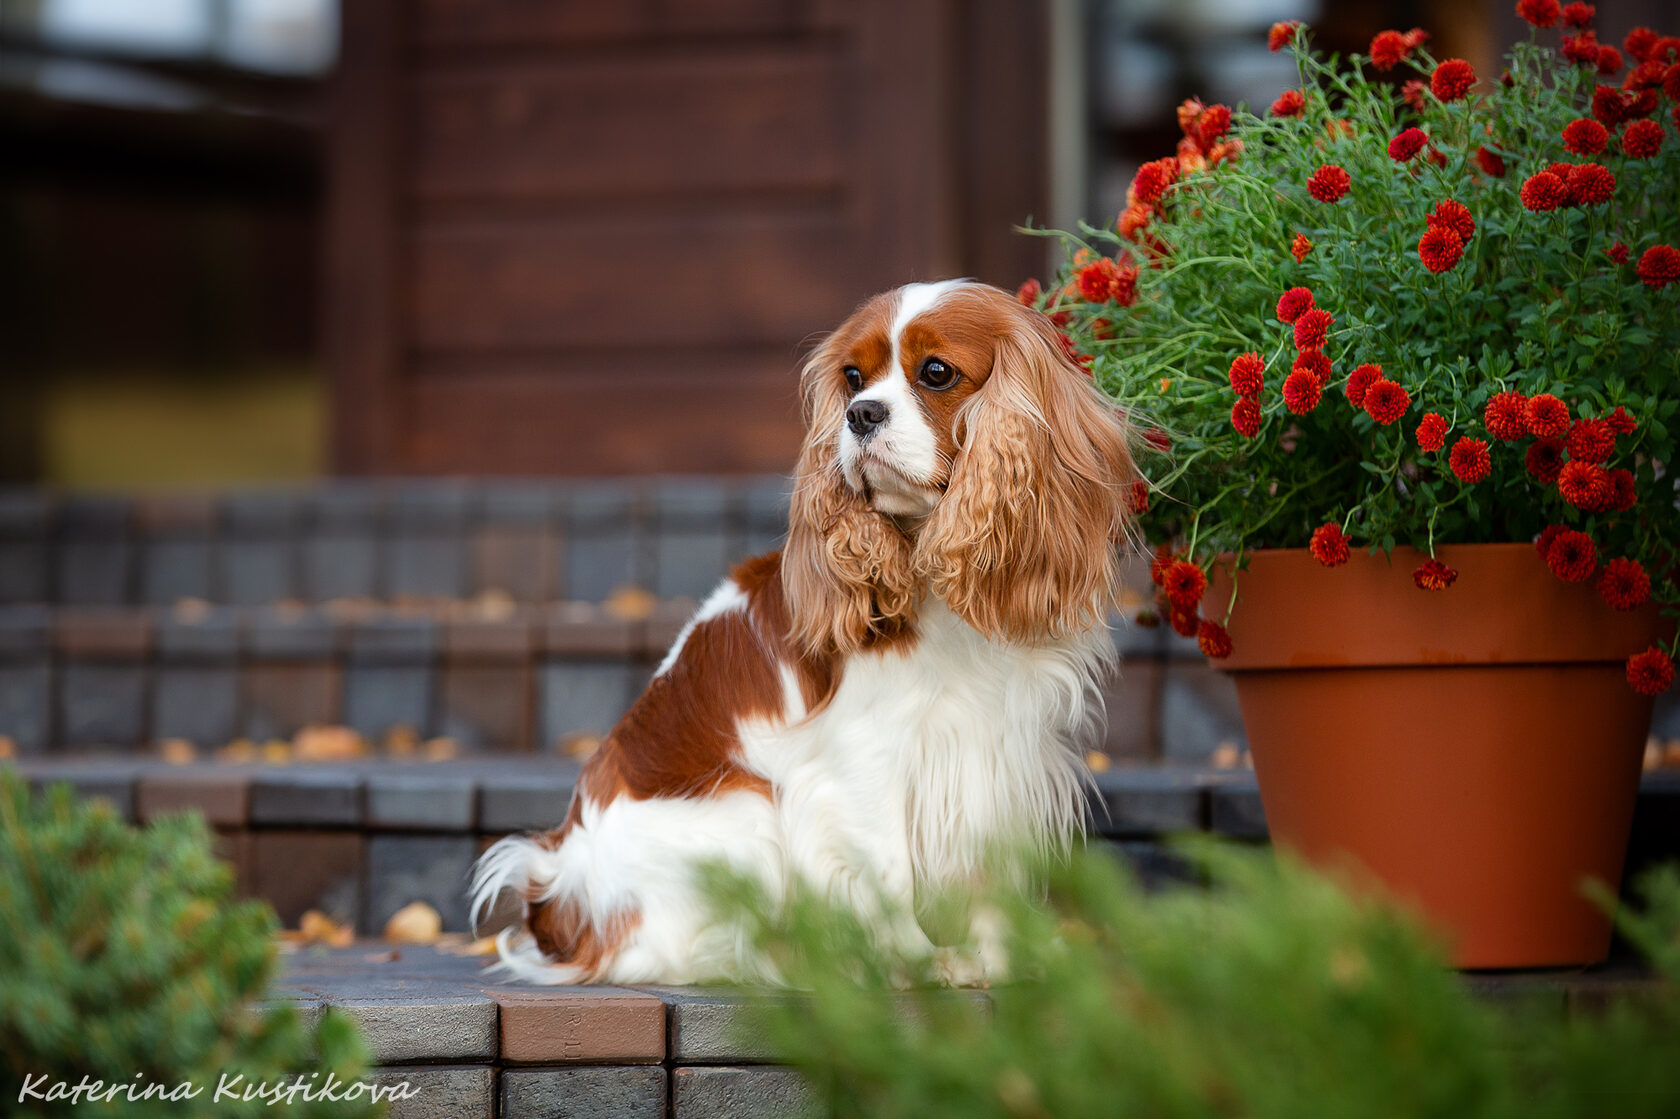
pixel 914 300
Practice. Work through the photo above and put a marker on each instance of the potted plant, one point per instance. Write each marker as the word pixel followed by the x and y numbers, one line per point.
pixel 1405 346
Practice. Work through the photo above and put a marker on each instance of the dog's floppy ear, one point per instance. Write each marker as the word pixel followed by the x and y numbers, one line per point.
pixel 846 569
pixel 1024 544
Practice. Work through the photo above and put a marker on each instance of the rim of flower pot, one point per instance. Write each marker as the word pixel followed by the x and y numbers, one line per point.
pixel 1505 607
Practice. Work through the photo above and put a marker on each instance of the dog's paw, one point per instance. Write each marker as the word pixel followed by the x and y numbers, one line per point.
pixel 962 967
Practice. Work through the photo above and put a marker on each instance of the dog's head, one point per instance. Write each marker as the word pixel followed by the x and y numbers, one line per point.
pixel 952 448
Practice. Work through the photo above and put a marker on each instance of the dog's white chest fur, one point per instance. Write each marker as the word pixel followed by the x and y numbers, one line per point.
pixel 927 756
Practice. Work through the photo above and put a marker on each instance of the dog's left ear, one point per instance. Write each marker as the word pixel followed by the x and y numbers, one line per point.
pixel 1025 544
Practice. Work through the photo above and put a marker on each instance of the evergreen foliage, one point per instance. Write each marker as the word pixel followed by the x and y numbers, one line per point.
pixel 1273 993
pixel 125 959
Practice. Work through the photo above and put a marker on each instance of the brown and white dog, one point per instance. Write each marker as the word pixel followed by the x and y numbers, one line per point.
pixel 912 680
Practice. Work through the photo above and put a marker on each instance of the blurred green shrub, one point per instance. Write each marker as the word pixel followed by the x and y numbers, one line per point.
pixel 126 960
pixel 1272 993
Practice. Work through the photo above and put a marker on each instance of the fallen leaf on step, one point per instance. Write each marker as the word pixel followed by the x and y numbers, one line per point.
pixel 414 923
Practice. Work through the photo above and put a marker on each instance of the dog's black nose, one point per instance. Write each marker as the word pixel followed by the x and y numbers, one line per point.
pixel 864 416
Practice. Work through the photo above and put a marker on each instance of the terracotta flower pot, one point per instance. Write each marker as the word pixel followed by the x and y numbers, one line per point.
pixel 1477 749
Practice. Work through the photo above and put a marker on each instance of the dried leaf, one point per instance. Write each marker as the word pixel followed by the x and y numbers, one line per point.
pixel 1098 761
pixel 1227 756
pixel 441 749
pixel 414 923
pixel 632 604
pixel 578 744
pixel 177 751
pixel 315 927
pixel 328 744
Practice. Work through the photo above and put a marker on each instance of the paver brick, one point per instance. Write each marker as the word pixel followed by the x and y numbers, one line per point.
pixel 440 1092
pixel 743 1093
pixel 419 1028
pixel 580 1025
pixel 584 1093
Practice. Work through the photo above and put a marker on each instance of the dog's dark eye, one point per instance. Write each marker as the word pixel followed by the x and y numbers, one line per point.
pixel 854 379
pixel 937 375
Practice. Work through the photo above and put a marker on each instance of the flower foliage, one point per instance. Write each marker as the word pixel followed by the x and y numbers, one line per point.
pixel 1474 288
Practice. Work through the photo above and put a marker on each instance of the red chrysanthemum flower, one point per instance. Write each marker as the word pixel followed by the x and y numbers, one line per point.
pixel 1386 401
pixel 1571 555
pixel 1452 79
pixel 1469 460
pixel 1440 248
pixel 1648 74
pixel 1096 281
pixel 1389 49
pixel 1578 15
pixel 1671 82
pixel 1585 485
pixel 1543 543
pixel 1245 417
pixel 1639 42
pixel 1543 192
pixel 1153 179
pixel 1650 672
pixel 1281 34
pixel 1329 183
pixel 1642 103
pixel 1624 494
pixel 1666 50
pixel 1590 184
pixel 1328 546
pixel 1158 565
pixel 1137 498
pixel 1359 382
pixel 1590 441
pixel 1541 13
pixel 1184 622
pixel 1624 584
pixel 1585 136
pixel 1312 328
pixel 1412 94
pixel 1301 393
pixel 1315 365
pixel 1158 439
pixel 1432 432
pixel 1028 292
pixel 1504 416
pixel 1546 416
pixel 1300 247
pixel 1621 421
pixel 1455 216
pixel 1289 103
pixel 1609 107
pixel 1407 144
pixel 1581 49
pixel 1609 60
pixel 1618 252
pixel 1433 575
pixel 1213 640
pixel 1544 460
pixel 1659 266
pixel 1184 584
pixel 1490 161
pixel 1248 374
pixel 1294 303
pixel 1642 139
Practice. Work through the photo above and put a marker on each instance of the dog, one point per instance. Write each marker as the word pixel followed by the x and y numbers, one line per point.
pixel 911 680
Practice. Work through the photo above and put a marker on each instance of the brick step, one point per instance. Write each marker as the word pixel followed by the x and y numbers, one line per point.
pixel 401 539
pixel 506 679
pixel 360 840
pixel 474 1045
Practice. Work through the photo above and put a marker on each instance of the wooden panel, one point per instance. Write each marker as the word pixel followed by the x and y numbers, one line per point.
pixel 762 118
pixel 664 279
pixel 553 22
pixel 363 334
pixel 722 411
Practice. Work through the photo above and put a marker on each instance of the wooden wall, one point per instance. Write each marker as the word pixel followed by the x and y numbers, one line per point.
pixel 592 238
